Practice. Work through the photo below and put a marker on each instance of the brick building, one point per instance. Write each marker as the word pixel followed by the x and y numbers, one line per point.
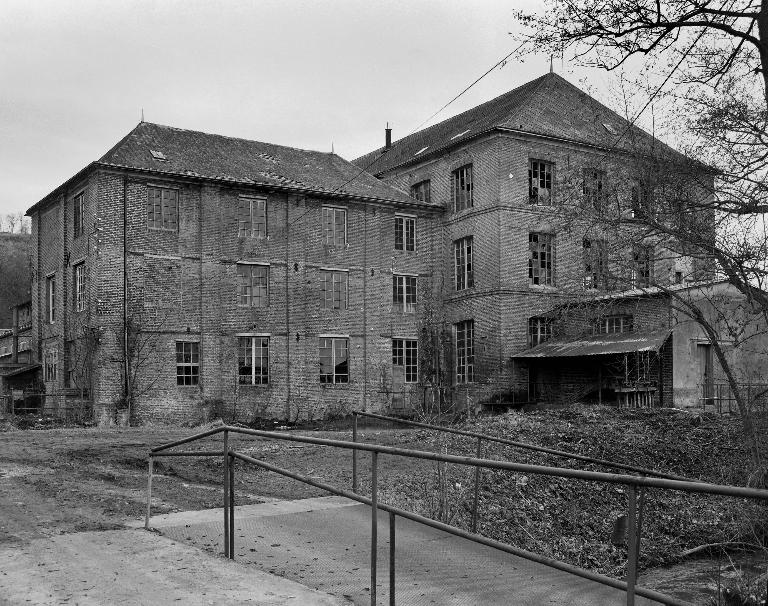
pixel 225 276
pixel 192 275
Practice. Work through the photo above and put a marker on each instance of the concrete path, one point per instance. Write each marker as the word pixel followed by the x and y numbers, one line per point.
pixel 137 567
pixel 325 543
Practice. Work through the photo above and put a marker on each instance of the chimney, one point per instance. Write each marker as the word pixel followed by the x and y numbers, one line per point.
pixel 387 137
pixel 15 338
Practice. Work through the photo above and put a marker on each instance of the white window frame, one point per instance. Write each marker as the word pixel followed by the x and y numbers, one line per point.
pixel 50 365
pixel 616 324
pixel 462 187
pixel 541 259
pixel 401 301
pixel 405 353
pixel 541 178
pixel 464 271
pixel 330 342
pixel 402 225
pixel 79 284
pixel 250 228
pixel 465 351
pixel 50 292
pixel 193 377
pixel 331 237
pixel 246 287
pixel 253 339
pixel 338 277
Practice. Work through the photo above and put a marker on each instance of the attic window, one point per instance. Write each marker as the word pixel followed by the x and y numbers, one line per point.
pixel 610 128
pixel 158 155
pixel 423 149
pixel 460 134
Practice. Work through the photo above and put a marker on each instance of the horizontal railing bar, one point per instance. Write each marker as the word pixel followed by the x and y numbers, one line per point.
pixel 597 476
pixel 563 566
pixel 188 453
pixel 192 438
pixel 560 453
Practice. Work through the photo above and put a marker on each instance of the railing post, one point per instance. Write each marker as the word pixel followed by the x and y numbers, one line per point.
pixel 477 485
pixel 355 485
pixel 149 492
pixel 631 544
pixel 391 559
pixel 374 521
pixel 231 507
pixel 226 493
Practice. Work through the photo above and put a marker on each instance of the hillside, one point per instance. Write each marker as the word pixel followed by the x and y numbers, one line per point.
pixel 15 276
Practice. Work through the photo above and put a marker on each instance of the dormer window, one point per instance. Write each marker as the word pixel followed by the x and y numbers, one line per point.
pixel 158 155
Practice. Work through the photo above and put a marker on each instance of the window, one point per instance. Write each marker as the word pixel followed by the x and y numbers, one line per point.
pixel 614 324
pixel 404 293
pixel 335 226
pixel 334 360
pixel 252 218
pixel 405 232
pixel 50 365
pixel 641 201
pixel 421 191
pixel 78 214
pixel 642 266
pixel 593 188
pixel 540 182
pixel 252 285
pixel 462 252
pixel 541 259
pixel 50 290
pixel 540 329
pixel 595 264
pixel 253 360
pixel 162 208
pixel 405 355
pixel 465 351
pixel 334 291
pixel 79 287
pixel 461 188
pixel 187 363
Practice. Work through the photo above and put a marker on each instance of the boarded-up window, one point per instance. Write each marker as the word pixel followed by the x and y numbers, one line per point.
pixel 162 208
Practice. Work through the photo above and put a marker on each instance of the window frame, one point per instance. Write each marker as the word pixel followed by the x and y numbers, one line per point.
pixel 261 378
pixel 464 345
pixel 164 217
pixel 541 262
pixel 422 191
pixel 78 215
pixel 641 275
pixel 405 353
pixel 329 343
pixel 191 379
pixel 545 176
pixel 247 285
pixel 401 285
pixel 325 299
pixel 593 188
pixel 463 263
pixel 50 365
pixel 330 235
pixel 402 240
pixel 257 229
pixel 79 284
pixel 607 325
pixel 595 263
pixel 462 188
pixel 50 297
pixel 540 330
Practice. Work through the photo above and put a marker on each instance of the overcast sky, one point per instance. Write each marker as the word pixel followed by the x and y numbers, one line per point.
pixel 75 75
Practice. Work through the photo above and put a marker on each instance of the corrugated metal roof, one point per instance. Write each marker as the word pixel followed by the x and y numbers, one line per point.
pixel 600 345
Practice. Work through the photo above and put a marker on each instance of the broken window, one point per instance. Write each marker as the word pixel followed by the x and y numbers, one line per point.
pixel 593 188
pixel 541 259
pixel 642 266
pixel 253 360
pixel 404 293
pixel 465 351
pixel 540 182
pixel 405 355
pixel 462 253
pixel 334 292
pixel 335 226
pixel 252 218
pixel 253 285
pixel 162 208
pixel 540 329
pixel 462 188
pixel 421 191
pixel 405 233
pixel 334 360
pixel 641 200
pixel 187 363
pixel 595 264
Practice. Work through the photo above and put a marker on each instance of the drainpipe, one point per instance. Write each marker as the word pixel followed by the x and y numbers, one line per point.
pixel 126 380
pixel 15 341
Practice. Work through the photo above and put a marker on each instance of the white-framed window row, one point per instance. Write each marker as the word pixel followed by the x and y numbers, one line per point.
pixel 50 365
pixel 334 359
pixel 50 296
pixel 79 282
pixel 334 226
pixel 253 358
pixel 251 217
pixel 252 284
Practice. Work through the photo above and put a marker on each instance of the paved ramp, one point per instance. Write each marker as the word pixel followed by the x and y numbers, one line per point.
pixel 324 543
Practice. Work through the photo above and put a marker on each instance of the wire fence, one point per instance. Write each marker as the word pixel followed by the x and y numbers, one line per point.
pixel 718 397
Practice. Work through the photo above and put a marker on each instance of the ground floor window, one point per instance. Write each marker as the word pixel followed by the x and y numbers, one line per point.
pixel 50 365
pixel 465 351
pixel 187 363
pixel 334 360
pixel 253 360
pixel 405 356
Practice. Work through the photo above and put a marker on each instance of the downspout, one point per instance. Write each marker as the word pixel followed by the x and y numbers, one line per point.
pixel 126 380
pixel 287 311
pixel 365 309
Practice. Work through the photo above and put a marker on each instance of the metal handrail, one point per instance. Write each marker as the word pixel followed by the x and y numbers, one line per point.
pixel 633 483
pixel 525 445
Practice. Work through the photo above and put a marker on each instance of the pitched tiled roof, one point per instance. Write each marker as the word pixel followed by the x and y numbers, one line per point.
pixel 192 153
pixel 549 106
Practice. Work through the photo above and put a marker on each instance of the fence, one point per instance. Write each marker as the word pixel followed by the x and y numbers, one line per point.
pixel 68 405
pixel 634 484
pixel 718 396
